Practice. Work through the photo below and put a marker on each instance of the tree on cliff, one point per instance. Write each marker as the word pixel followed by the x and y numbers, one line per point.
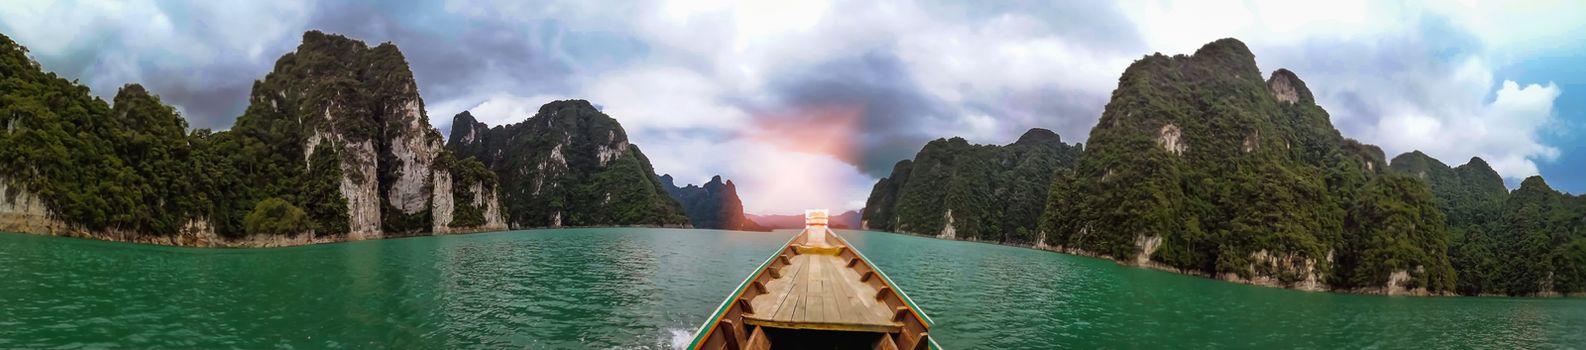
pixel 276 216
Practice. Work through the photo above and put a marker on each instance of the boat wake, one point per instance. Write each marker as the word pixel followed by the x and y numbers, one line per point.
pixel 680 337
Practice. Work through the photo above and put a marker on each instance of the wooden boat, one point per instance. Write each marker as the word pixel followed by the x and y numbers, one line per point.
pixel 816 292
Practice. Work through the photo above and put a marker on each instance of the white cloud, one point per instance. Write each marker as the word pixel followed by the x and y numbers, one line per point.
pixel 660 98
pixel 503 109
pixel 1503 132
pixel 775 180
pixel 771 178
pixel 1520 27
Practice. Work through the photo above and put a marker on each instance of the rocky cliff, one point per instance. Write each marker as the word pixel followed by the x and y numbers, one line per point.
pixel 363 103
pixel 714 205
pixel 954 189
pixel 568 165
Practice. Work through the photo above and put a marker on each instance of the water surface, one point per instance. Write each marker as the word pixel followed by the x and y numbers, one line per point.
pixel 649 288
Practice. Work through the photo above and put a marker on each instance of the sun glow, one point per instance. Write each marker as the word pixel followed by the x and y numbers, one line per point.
pixel 802 160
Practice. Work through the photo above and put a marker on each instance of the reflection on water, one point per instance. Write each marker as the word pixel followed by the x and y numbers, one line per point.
pixel 650 288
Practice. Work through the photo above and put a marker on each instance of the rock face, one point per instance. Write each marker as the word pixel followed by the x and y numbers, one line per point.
pixel 23 211
pixel 1198 165
pixel 364 103
pixel 464 197
pixel 1287 87
pixel 568 165
pixel 980 192
pixel 715 205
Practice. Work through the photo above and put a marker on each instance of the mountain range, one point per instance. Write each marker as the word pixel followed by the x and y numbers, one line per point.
pixel 335 144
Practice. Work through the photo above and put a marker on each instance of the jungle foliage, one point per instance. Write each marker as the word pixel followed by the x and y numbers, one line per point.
pixel 983 192
pixel 1230 174
pixel 568 165
pixel 134 166
pixel 1529 241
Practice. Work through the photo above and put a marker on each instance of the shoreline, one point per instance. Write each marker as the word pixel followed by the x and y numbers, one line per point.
pixel 1153 265
pixel 208 240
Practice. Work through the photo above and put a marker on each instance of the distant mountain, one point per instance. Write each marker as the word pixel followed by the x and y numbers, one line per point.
pixel 568 165
pixel 846 220
pixel 714 206
pixel 954 189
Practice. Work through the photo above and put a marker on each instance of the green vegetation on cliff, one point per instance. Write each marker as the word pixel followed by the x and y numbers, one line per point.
pixel 1530 241
pixel 127 168
pixel 982 192
pixel 1199 164
pixel 568 165
pixel 275 216
pixel 337 131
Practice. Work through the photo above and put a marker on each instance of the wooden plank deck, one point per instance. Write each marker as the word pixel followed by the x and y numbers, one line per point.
pixel 819 291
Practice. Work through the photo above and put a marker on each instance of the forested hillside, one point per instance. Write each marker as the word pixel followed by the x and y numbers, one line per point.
pixel 568 165
pixel 1199 165
pixel 955 189
pixel 1531 241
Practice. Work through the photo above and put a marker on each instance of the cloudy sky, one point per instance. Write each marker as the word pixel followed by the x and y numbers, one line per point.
pixel 782 97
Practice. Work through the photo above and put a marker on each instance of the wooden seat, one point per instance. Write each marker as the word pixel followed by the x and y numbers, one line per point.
pixel 820 291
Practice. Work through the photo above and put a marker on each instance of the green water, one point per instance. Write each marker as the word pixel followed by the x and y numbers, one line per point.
pixel 650 288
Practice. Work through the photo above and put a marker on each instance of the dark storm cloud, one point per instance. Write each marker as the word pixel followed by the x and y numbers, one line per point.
pixel 208 96
pixel 211 104
pixel 208 86
pixel 897 117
